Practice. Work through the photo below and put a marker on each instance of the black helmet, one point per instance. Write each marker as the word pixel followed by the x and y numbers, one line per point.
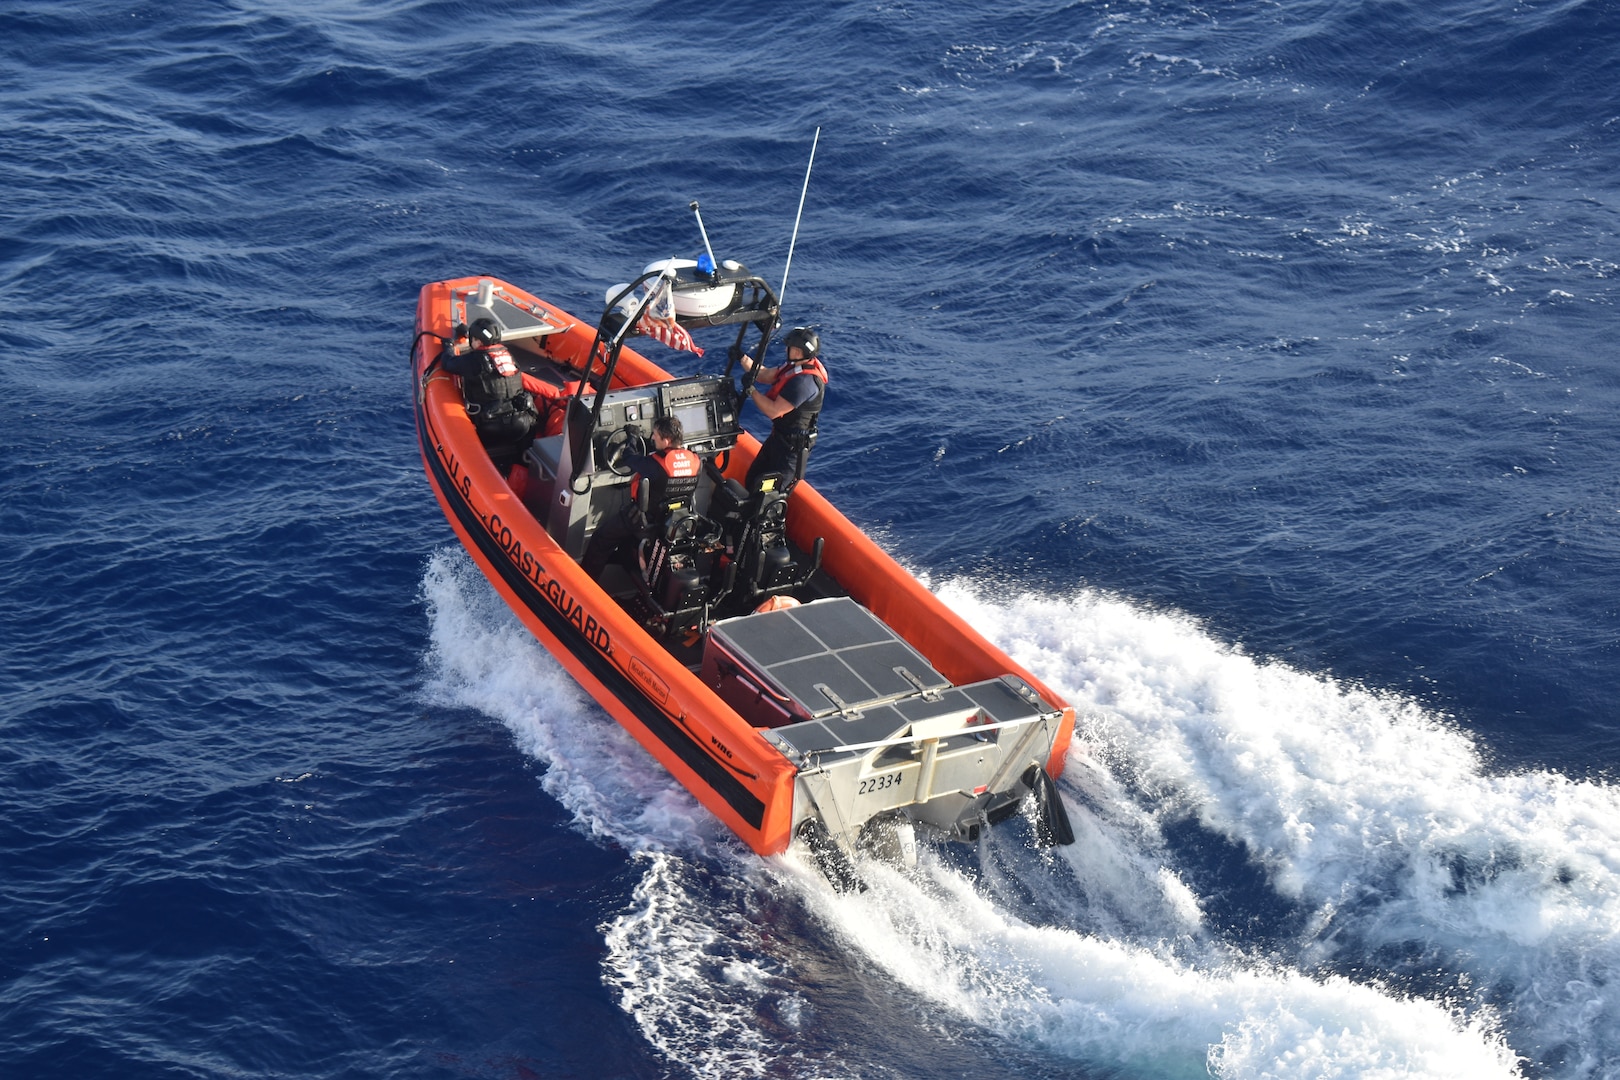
pixel 484 332
pixel 803 337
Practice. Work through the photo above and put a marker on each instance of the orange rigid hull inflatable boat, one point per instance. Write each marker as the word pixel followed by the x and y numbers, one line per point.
pixel 800 683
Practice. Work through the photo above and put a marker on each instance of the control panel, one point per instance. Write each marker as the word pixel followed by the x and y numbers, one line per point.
pixel 704 404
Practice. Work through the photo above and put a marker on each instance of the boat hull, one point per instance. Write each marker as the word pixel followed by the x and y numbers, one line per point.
pixel 726 763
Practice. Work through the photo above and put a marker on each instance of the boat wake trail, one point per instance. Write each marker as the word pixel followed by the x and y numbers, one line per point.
pixel 483 658
pixel 1419 916
pixel 1396 853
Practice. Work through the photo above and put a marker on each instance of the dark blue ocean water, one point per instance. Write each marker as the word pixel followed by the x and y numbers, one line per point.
pixel 1246 370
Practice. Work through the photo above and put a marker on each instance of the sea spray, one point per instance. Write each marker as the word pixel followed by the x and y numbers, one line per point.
pixel 699 980
pixel 714 954
pixel 483 658
pixel 1377 819
pixel 1102 1001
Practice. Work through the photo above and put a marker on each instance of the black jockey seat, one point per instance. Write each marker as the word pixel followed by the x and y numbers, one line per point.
pixel 754 523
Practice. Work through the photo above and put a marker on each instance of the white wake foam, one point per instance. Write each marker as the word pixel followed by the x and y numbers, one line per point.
pixel 1378 816
pixel 1099 1000
pixel 1374 817
pixel 483 658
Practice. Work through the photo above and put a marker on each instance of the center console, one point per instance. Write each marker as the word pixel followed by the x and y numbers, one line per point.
pixel 704 404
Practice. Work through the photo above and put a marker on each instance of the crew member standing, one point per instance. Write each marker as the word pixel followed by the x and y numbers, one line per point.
pixel 500 398
pixel 792 398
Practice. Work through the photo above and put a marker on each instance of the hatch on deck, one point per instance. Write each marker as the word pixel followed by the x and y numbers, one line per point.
pixel 828 657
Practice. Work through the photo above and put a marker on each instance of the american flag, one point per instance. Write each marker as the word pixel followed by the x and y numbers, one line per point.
pixel 668 331
pixel 658 320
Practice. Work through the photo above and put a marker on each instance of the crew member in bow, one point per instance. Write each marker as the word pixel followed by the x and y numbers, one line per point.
pixel 792 396
pixel 502 402
pixel 671 474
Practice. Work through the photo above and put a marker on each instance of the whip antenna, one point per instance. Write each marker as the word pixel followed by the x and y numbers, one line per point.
pixel 713 266
pixel 781 296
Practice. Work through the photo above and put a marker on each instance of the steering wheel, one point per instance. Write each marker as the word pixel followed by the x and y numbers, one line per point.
pixel 625 443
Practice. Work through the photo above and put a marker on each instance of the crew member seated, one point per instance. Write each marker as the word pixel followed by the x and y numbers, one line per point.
pixel 501 400
pixel 670 473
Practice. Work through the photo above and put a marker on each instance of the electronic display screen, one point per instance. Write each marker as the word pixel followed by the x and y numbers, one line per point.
pixel 694 419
